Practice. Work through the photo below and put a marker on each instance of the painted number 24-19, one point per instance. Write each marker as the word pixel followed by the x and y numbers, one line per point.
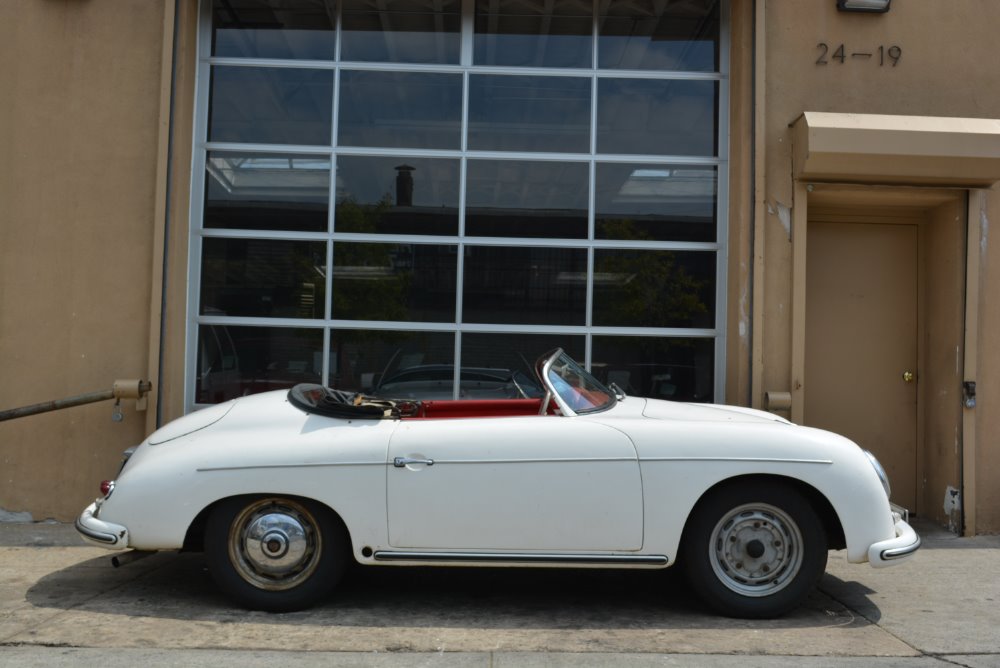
pixel 885 55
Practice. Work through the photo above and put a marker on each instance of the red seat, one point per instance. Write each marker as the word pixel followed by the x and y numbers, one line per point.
pixel 478 408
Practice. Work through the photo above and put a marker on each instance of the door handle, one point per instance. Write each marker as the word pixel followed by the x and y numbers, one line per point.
pixel 401 462
pixel 909 376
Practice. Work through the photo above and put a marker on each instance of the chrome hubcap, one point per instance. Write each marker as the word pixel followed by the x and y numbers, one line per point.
pixel 274 544
pixel 756 550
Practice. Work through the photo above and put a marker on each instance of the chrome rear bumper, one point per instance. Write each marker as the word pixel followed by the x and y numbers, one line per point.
pixel 99 532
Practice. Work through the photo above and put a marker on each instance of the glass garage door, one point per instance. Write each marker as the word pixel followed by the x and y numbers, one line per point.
pixel 419 198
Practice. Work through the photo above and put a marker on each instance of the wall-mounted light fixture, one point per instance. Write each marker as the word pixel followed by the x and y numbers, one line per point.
pixel 870 6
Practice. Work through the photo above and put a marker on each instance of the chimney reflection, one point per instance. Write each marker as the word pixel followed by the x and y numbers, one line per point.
pixel 404 185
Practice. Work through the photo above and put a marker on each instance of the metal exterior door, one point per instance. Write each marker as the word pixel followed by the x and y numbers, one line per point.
pixel 861 341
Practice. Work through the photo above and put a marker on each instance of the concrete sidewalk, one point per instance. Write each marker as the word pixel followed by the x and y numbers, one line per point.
pixel 62 603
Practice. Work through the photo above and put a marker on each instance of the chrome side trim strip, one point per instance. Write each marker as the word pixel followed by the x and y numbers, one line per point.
pixel 773 460
pixel 524 558
pixel 540 460
pixel 287 466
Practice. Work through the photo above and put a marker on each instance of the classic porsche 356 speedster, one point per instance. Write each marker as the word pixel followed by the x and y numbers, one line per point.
pixel 282 489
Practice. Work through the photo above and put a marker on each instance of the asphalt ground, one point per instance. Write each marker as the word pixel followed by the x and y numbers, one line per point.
pixel 62 603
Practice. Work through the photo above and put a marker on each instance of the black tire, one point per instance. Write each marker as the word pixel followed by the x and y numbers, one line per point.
pixel 277 554
pixel 754 550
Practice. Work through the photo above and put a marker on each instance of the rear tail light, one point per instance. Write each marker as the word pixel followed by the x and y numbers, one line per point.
pixel 107 486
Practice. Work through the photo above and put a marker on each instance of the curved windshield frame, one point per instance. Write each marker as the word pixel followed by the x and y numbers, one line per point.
pixel 574 390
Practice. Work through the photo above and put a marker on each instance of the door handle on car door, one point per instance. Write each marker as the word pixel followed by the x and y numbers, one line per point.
pixel 401 462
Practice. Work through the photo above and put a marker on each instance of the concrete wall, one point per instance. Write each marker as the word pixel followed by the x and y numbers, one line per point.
pixel 79 124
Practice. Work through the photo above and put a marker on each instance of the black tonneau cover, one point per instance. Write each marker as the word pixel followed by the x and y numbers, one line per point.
pixel 333 403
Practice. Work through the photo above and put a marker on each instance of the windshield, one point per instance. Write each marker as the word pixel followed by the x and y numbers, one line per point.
pixel 574 390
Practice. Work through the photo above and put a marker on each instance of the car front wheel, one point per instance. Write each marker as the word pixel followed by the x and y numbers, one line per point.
pixel 754 550
pixel 275 553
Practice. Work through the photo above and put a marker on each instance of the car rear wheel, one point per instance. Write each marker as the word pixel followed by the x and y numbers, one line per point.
pixel 275 553
pixel 754 550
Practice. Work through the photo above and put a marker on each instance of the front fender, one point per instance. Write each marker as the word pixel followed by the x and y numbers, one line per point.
pixel 681 462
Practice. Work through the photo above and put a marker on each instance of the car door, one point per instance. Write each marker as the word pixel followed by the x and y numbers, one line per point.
pixel 549 483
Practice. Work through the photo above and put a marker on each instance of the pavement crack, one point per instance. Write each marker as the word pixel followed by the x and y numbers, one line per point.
pixel 952 660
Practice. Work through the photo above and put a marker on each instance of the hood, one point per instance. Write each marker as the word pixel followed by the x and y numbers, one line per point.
pixel 659 409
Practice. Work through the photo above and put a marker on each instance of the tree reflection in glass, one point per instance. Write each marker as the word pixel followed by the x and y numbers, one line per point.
pixel 394 282
pixel 654 288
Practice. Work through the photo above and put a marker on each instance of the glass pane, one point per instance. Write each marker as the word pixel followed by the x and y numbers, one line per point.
pixel 397 195
pixel 518 33
pixel 680 369
pixel 301 29
pixel 404 282
pixel 504 356
pixel 654 35
pixel 403 365
pixel 257 191
pixel 655 202
pixel 662 288
pixel 657 117
pixel 525 285
pixel 402 31
pixel 520 198
pixel 263 278
pixel 270 105
pixel 400 109
pixel 235 361
pixel 522 113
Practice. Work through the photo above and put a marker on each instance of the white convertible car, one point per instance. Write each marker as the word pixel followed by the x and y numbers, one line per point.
pixel 281 489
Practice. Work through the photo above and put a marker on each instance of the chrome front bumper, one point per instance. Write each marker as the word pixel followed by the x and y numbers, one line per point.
pixel 99 532
pixel 895 550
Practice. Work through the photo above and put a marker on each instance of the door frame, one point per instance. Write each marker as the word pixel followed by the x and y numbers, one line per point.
pixel 853 203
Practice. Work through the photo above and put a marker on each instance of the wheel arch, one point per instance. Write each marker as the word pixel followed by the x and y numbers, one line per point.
pixel 821 505
pixel 194 538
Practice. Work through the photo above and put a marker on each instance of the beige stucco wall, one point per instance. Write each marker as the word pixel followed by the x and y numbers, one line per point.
pixel 79 121
pixel 934 77
pixel 179 198
pixel 82 128
pixel 987 372
pixel 941 351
